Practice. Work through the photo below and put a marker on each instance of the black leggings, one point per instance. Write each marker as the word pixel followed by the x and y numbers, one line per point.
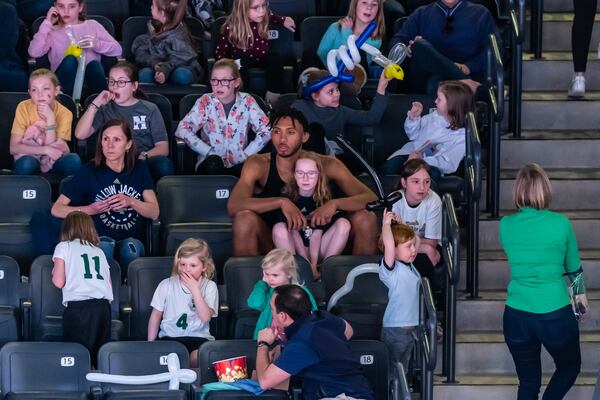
pixel 581 32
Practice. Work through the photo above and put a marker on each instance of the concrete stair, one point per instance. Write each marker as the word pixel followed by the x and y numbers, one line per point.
pixel 556 35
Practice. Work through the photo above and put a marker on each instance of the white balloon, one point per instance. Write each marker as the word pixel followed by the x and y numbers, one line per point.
pixel 174 376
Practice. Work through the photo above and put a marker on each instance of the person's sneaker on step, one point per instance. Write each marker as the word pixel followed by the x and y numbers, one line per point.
pixel 577 89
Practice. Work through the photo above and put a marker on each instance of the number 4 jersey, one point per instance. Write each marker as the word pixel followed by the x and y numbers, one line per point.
pixel 87 272
pixel 179 312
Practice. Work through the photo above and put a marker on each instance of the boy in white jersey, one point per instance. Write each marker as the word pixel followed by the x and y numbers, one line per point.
pixel 183 305
pixel 83 273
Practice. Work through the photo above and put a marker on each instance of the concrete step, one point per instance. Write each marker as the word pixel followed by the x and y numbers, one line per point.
pixel 502 387
pixel 559 6
pixel 556 35
pixel 586 224
pixel 574 189
pixel 555 71
pixel 494 272
pixel 487 353
pixel 485 313
pixel 554 110
pixel 558 153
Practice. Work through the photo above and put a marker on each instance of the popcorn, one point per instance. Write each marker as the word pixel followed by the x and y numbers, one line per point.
pixel 231 369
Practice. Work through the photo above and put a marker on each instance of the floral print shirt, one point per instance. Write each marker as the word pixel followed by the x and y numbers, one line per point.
pixel 225 135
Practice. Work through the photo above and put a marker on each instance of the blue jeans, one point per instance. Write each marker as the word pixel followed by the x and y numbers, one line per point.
pixel 179 76
pixel 94 78
pixel 127 250
pixel 65 166
pixel 160 166
pixel 526 332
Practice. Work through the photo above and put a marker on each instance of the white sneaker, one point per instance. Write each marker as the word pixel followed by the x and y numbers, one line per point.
pixel 577 88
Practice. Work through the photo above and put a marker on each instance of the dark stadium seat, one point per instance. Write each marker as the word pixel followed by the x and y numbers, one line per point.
pixel 141 358
pixel 313 29
pixel 364 306
pixel 373 358
pixel 30 370
pixel 9 300
pixel 212 351
pixel 196 206
pixel 21 197
pixel 240 275
pixel 115 10
pixel 297 9
pixel 45 316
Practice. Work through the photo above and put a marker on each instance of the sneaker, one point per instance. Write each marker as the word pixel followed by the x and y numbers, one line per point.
pixel 577 88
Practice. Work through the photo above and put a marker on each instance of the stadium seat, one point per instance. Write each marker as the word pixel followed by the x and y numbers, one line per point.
pixel 373 358
pixel 186 157
pixel 86 148
pixel 240 275
pixel 297 9
pixel 30 370
pixel 389 182
pixel 196 206
pixel 114 10
pixel 364 306
pixel 9 300
pixel 104 20
pixel 313 29
pixel 21 197
pixel 141 358
pixel 221 350
pixel 144 274
pixel 45 316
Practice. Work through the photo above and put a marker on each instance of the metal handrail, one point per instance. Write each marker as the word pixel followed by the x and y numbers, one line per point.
pixel 473 188
pixel 426 338
pixel 451 255
pixel 400 389
pixel 495 78
pixel 517 18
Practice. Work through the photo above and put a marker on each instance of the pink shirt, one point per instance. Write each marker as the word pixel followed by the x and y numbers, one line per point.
pixel 53 40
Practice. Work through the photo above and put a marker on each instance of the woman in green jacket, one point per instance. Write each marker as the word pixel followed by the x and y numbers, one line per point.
pixel 542 250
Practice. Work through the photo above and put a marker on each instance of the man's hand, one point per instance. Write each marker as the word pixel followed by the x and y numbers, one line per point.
pixel 410 43
pixel 463 68
pixel 295 219
pixel 267 335
pixel 323 214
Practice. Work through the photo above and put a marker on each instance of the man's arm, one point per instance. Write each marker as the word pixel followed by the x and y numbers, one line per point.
pixel 357 194
pixel 269 375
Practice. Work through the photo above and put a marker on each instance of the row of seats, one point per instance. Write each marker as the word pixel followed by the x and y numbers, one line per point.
pixel 43 370
pixel 33 310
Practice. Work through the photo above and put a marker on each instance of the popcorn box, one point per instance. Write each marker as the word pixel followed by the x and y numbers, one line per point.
pixel 231 369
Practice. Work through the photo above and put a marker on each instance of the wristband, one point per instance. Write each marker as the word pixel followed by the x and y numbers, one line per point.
pixel 50 128
pixel 92 104
pixel 262 343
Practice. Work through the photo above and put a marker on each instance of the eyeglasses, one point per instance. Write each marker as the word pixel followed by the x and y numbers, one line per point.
pixel 449 21
pixel 118 83
pixel 260 7
pixel 222 82
pixel 304 174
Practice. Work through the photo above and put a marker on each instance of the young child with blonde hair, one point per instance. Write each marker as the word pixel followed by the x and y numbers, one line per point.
pixel 279 268
pixel 184 304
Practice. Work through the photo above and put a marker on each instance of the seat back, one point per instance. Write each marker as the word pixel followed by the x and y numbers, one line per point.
pixel 9 281
pixel 139 358
pixel 144 274
pixel 25 195
pixel 46 299
pixel 8 106
pixel 313 29
pixel 217 350
pixel 44 367
pixel 109 10
pixel 297 9
pixel 373 358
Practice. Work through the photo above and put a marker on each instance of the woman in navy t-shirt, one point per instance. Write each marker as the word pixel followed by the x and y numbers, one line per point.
pixel 116 189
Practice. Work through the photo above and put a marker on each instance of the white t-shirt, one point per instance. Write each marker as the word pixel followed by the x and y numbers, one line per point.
pixel 403 283
pixel 86 270
pixel 179 312
pixel 425 219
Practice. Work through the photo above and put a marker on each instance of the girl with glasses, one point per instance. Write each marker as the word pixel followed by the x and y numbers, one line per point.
pixel 125 100
pixel 309 190
pixel 218 124
pixel 64 26
pixel 166 53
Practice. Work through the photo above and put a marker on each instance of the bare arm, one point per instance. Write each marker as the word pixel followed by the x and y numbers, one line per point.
pixel 348 331
pixel 159 149
pixel 17 147
pixel 58 273
pixel 84 128
pixel 154 324
pixel 242 194
pixel 269 375
pixel 387 238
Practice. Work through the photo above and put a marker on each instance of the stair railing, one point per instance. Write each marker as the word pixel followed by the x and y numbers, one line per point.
pixel 451 256
pixel 473 188
pixel 517 22
pixel 537 23
pixel 426 338
pixel 495 80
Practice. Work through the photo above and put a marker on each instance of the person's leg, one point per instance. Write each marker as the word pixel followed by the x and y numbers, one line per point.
pixel 282 237
pixel 393 166
pixel 67 164
pixel 107 245
pixel 251 235
pixel 146 75
pixel 363 234
pixel 212 165
pixel 128 250
pixel 160 166
pixel 525 349
pixel 182 76
pixel 66 72
pixel 335 238
pixel 95 77
pixel 400 343
pixel 427 61
pixel 581 32
pixel 559 333
pixel 26 165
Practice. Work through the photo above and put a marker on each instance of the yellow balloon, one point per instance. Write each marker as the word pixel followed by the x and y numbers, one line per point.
pixel 394 71
pixel 73 50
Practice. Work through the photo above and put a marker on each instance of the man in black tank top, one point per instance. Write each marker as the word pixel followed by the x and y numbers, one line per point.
pixel 256 202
